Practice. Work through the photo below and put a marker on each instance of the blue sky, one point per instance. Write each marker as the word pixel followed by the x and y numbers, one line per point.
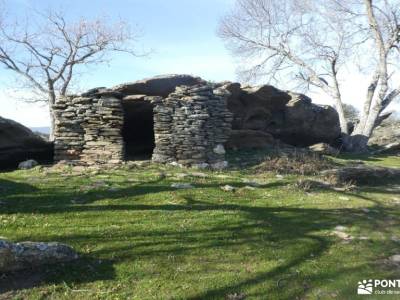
pixel 181 35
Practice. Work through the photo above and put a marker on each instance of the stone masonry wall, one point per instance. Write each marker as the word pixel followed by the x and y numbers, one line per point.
pixel 88 129
pixel 191 126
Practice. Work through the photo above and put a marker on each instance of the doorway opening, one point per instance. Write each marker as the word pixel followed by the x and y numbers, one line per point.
pixel 138 129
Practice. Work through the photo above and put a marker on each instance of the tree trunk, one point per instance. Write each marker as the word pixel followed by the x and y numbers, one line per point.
pixel 52 125
pixel 52 101
pixel 342 118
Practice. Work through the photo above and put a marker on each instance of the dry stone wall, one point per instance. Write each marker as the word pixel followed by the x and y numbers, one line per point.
pixel 191 126
pixel 88 129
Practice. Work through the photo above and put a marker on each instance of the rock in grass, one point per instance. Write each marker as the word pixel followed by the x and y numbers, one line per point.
pixel 236 296
pixel 182 186
pixel 342 235
pixel 395 258
pixel 198 174
pixel 395 239
pixel 219 165
pixel 324 148
pixel 228 188
pixel 340 228
pixel 339 232
pixel 181 175
pixel 28 164
pixel 20 256
pixel 175 164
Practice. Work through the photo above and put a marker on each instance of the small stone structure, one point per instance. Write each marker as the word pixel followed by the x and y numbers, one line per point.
pixel 190 126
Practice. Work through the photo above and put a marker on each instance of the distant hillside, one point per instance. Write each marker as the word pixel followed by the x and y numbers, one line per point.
pixel 45 130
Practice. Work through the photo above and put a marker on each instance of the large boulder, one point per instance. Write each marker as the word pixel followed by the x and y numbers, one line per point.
pixel 255 108
pixel 18 143
pixel 291 118
pixel 26 255
pixel 249 139
pixel 305 123
pixel 162 85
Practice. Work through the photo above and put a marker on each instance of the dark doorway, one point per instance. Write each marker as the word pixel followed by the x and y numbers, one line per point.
pixel 138 130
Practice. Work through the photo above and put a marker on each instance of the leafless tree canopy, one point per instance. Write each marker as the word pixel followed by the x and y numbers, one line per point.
pixel 48 50
pixel 316 42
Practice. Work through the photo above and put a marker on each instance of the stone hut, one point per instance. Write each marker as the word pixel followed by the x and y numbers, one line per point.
pixel 179 119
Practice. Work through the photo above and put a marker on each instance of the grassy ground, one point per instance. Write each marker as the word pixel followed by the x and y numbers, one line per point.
pixel 141 239
pixel 377 160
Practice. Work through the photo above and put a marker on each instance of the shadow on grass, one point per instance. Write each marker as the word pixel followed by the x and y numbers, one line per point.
pixel 365 157
pixel 81 271
pixel 297 234
pixel 272 229
pixel 9 188
pixel 55 201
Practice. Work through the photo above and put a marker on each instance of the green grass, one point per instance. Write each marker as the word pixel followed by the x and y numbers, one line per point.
pixel 141 239
pixel 377 160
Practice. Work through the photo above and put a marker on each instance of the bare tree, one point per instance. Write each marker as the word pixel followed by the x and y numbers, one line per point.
pixel 318 42
pixel 351 113
pixel 46 52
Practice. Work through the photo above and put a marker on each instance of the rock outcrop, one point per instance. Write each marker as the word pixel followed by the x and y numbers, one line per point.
pixel 26 255
pixel 289 117
pixel 250 139
pixel 162 85
pixel 387 137
pixel 18 143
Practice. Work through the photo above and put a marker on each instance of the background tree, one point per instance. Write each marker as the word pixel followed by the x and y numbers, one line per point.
pixel 351 113
pixel 318 42
pixel 46 52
